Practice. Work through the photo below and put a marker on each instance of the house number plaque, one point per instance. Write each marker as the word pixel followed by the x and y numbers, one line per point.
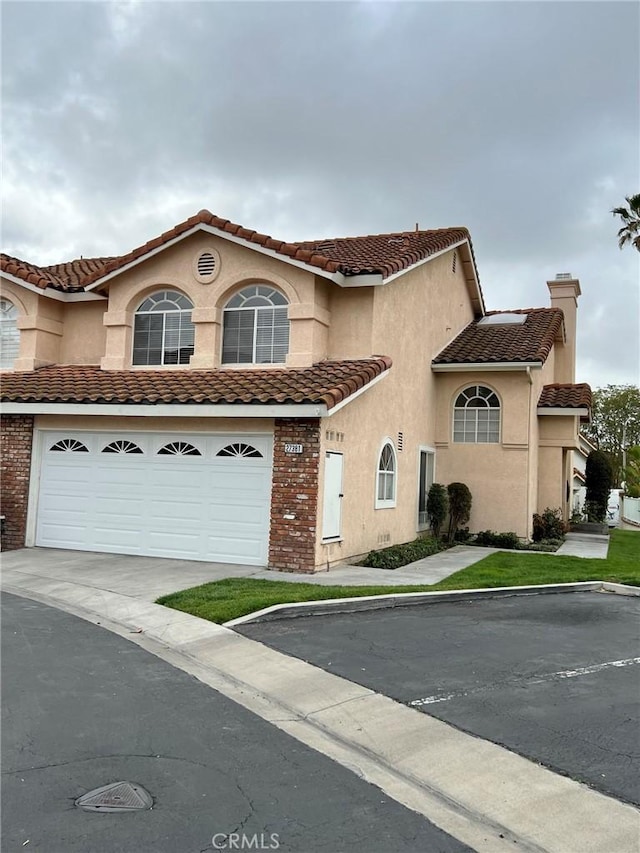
pixel 293 448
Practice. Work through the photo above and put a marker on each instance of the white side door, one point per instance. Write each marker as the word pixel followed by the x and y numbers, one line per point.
pixel 332 505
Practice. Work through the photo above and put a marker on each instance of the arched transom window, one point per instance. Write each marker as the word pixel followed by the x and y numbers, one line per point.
pixel 476 416
pixel 163 332
pixel 9 334
pixel 386 481
pixel 255 327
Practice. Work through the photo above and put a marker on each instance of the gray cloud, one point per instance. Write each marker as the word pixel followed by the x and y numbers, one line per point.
pixel 519 120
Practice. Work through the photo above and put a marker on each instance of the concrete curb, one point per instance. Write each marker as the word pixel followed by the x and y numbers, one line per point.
pixel 403 599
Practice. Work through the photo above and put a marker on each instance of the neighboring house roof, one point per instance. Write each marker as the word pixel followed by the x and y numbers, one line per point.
pixel 327 383
pixel 579 475
pixel 69 276
pixel 381 254
pixel 565 396
pixel 530 341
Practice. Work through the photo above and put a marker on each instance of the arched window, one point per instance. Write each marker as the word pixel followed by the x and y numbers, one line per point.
pixel 476 416
pixel 9 334
pixel 163 332
pixel 255 327
pixel 386 480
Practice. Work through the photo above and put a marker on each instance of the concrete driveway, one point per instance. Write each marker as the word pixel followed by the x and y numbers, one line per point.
pixel 147 578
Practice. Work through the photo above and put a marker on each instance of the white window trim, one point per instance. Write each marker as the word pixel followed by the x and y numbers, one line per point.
pixel 163 314
pixel 423 448
pixel 387 504
pixel 10 327
pixel 455 408
pixel 255 309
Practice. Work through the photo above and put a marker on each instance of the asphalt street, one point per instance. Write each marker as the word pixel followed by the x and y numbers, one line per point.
pixel 82 707
pixel 555 678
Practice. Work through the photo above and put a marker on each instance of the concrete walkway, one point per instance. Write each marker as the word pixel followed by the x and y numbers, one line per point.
pixel 584 545
pixel 485 796
pixel 148 578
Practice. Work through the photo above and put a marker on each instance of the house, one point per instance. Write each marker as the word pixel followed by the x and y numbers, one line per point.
pixel 216 394
pixel 585 447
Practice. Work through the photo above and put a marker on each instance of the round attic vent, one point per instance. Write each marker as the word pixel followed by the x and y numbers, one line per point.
pixel 206 266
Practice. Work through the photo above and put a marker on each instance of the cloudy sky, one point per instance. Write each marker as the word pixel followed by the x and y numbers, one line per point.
pixel 305 120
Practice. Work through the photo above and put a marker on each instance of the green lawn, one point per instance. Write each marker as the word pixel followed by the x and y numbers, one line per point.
pixel 228 599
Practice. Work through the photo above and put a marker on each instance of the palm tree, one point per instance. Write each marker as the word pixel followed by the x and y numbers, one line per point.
pixel 630 231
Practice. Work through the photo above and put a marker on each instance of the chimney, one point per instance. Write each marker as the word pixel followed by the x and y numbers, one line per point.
pixel 565 290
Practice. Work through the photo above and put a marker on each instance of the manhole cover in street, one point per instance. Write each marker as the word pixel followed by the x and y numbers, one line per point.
pixel 117 797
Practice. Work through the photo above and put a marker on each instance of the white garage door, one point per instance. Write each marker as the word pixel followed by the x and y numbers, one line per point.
pixel 188 496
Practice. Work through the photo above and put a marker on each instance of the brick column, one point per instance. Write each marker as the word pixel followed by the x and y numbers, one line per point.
pixel 16 438
pixel 294 496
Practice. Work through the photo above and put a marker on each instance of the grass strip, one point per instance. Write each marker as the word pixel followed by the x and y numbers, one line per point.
pixel 227 599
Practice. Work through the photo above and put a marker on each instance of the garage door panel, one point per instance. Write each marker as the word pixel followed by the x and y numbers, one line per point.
pixel 190 507
pixel 67 476
pixel 237 550
pixel 118 475
pixel 115 539
pixel 59 535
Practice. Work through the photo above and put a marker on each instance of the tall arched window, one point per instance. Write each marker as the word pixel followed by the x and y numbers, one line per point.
pixel 163 332
pixel 255 327
pixel 476 416
pixel 386 480
pixel 9 334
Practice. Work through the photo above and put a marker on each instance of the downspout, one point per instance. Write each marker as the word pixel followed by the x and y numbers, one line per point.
pixel 528 501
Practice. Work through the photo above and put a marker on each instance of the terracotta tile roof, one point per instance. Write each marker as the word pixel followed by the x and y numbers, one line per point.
pixel 565 396
pixel 73 274
pixel 531 341
pixel 327 383
pixel 579 474
pixel 385 254
pixel 69 276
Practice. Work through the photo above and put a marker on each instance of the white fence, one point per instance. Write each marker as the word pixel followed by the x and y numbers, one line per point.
pixel 630 510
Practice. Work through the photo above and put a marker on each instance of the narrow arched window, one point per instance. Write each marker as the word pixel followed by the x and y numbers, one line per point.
pixel 255 327
pixel 163 332
pixel 476 416
pixel 386 479
pixel 9 334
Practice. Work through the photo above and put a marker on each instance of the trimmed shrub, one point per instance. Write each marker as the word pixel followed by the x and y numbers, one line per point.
pixel 489 539
pixel 437 507
pixel 400 555
pixel 459 507
pixel 598 480
pixel 548 525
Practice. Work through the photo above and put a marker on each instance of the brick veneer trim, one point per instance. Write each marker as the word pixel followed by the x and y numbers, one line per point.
pixel 16 435
pixel 294 492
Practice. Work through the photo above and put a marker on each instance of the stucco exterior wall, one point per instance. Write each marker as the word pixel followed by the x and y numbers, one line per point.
pixel 558 438
pixel 410 320
pixel 40 324
pixel 238 265
pixel 498 475
pixel 83 341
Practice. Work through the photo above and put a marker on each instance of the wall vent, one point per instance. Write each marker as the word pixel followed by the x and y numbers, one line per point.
pixel 206 264
pixel 400 441
pixel 454 261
